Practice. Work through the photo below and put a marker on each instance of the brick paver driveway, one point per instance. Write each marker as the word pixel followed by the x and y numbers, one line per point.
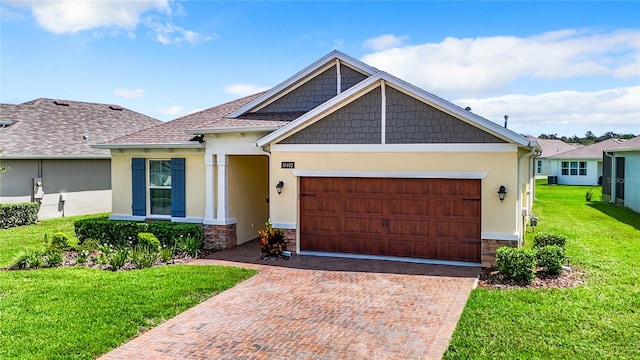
pixel 315 308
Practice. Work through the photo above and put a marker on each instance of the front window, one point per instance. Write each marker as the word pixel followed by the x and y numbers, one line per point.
pixel 539 166
pixel 574 168
pixel 160 187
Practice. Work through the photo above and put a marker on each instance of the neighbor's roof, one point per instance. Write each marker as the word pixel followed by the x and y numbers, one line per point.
pixel 629 145
pixel 593 151
pixel 551 147
pixel 48 128
pixel 174 132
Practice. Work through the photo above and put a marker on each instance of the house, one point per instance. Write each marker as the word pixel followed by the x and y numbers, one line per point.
pixel 550 147
pixel 583 165
pixel 46 145
pixel 621 174
pixel 346 159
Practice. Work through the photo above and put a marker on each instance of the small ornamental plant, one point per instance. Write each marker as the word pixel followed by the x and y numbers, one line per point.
pixel 272 241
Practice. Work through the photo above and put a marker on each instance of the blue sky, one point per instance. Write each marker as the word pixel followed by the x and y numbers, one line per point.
pixel 554 67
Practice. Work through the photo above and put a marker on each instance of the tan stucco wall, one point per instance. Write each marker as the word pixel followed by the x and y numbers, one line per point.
pixel 248 193
pixel 194 187
pixel 501 168
pixel 86 184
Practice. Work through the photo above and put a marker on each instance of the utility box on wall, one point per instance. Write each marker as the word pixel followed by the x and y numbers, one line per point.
pixel 38 191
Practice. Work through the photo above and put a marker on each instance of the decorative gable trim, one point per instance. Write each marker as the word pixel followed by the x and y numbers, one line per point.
pixel 384 79
pixel 292 83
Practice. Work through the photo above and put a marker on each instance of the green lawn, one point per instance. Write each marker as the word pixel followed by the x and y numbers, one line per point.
pixel 81 313
pixel 600 320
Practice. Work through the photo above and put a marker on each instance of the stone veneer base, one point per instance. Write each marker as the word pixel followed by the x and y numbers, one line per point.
pixel 219 237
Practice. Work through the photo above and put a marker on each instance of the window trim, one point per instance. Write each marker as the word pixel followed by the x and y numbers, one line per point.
pixel 573 168
pixel 149 187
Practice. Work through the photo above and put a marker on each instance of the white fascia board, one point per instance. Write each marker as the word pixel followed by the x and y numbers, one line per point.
pixel 232 130
pixel 53 157
pixel 392 174
pixel 623 149
pixel 356 64
pixel 380 148
pixel 344 98
pixel 184 145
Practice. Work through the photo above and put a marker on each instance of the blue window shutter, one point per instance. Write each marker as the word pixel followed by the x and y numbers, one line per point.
pixel 139 187
pixel 178 202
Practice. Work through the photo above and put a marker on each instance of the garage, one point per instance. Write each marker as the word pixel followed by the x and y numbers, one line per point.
pixel 435 219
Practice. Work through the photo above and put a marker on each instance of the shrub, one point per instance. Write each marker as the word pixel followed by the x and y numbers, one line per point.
pixel 189 245
pixel 88 245
pixel 12 215
pixel 148 240
pixel 589 195
pixel 516 263
pixel 82 257
pixel 166 254
pixel 551 257
pixel 544 239
pixel 28 259
pixel 143 257
pixel 53 258
pixel 271 240
pixel 118 258
pixel 59 241
pixel 118 233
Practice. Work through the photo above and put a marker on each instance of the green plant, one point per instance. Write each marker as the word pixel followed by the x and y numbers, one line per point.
pixel 551 257
pixel 589 195
pixel 118 233
pixel 516 263
pixel 144 257
pixel 189 245
pixel 28 259
pixel 12 215
pixel 543 239
pixel 272 242
pixel 166 253
pixel 89 245
pixel 82 256
pixel 52 258
pixel 118 258
pixel 148 240
pixel 59 241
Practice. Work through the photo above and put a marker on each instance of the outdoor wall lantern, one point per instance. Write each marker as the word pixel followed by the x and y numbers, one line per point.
pixel 279 187
pixel 502 192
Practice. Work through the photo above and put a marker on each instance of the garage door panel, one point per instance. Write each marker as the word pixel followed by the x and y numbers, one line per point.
pixel 423 218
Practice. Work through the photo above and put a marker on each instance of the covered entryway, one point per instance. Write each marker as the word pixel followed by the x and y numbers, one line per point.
pixel 419 218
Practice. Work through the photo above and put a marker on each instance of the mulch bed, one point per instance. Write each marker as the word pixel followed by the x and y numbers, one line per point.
pixel 492 279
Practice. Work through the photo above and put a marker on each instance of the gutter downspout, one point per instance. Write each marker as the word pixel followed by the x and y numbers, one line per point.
pixel 612 179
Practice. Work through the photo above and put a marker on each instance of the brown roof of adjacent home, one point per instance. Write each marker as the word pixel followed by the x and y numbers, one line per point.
pixel 175 131
pixel 631 144
pixel 593 151
pixel 45 128
pixel 551 147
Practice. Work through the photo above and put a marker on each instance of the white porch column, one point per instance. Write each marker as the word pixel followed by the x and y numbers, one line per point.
pixel 223 188
pixel 209 193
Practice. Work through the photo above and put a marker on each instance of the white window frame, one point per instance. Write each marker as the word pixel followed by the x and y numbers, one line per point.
pixel 539 168
pixel 151 187
pixel 573 168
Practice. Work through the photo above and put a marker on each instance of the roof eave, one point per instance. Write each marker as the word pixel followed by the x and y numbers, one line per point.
pixel 184 145
pixel 231 130
pixel 54 157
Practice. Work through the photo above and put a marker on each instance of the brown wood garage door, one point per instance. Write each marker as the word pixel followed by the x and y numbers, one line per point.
pixel 418 218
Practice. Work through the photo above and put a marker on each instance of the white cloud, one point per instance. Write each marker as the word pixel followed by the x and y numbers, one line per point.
pixel 564 112
pixel 384 42
pixel 129 94
pixel 173 110
pixel 461 67
pixel 71 16
pixel 244 89
pixel 167 33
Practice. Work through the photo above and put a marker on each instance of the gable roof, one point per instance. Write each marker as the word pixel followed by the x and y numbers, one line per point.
pixel 629 145
pixel 319 64
pixel 49 128
pixel 552 147
pixel 180 132
pixel 383 77
pixel 593 151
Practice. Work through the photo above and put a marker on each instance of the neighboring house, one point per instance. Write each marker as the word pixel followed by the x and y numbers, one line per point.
pixel 550 147
pixel 581 166
pixel 45 143
pixel 348 160
pixel 621 174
